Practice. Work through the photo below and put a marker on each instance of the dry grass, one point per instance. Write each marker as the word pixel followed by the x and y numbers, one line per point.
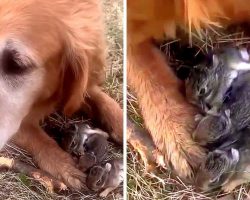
pixel 114 21
pixel 144 186
pixel 18 186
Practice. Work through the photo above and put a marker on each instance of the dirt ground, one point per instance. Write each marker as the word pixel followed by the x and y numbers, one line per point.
pixel 20 187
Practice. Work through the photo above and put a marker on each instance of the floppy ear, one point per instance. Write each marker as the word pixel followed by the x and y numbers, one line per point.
pixel 75 79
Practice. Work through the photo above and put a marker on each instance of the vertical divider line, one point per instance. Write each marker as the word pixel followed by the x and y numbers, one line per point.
pixel 125 98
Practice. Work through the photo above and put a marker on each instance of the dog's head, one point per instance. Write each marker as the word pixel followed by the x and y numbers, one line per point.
pixel 40 62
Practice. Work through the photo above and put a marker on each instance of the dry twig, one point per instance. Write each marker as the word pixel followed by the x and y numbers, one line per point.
pixel 49 182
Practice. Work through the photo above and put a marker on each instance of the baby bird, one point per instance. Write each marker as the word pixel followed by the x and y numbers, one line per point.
pixel 228 166
pixel 208 82
pixel 233 116
pixel 87 144
pixel 105 178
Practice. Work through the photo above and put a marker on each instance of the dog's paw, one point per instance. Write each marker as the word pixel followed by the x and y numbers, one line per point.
pixel 72 177
pixel 60 165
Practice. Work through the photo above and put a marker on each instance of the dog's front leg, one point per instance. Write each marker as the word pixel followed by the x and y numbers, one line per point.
pixel 107 111
pixel 167 115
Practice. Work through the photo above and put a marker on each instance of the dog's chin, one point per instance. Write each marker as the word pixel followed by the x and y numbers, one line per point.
pixel 15 105
pixel 6 135
pixel 10 121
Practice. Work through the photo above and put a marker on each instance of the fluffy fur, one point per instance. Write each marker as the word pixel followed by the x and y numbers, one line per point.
pixel 52 57
pixel 167 115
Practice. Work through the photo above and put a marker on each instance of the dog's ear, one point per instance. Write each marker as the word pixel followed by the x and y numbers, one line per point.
pixel 75 79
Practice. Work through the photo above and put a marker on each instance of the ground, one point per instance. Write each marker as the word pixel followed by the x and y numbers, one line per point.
pixel 141 185
pixel 17 186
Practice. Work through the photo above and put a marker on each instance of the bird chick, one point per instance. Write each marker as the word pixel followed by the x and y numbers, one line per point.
pixel 208 82
pixel 228 166
pixel 105 178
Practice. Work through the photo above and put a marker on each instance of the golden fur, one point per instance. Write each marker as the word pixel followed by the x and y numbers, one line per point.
pixel 167 115
pixel 65 38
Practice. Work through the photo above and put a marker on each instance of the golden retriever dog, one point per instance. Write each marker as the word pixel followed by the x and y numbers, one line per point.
pixel 167 115
pixel 52 58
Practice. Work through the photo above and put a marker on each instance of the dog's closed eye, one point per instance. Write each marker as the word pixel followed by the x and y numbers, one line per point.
pixel 12 63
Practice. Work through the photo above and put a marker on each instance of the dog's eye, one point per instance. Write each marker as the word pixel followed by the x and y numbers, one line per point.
pixel 11 63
